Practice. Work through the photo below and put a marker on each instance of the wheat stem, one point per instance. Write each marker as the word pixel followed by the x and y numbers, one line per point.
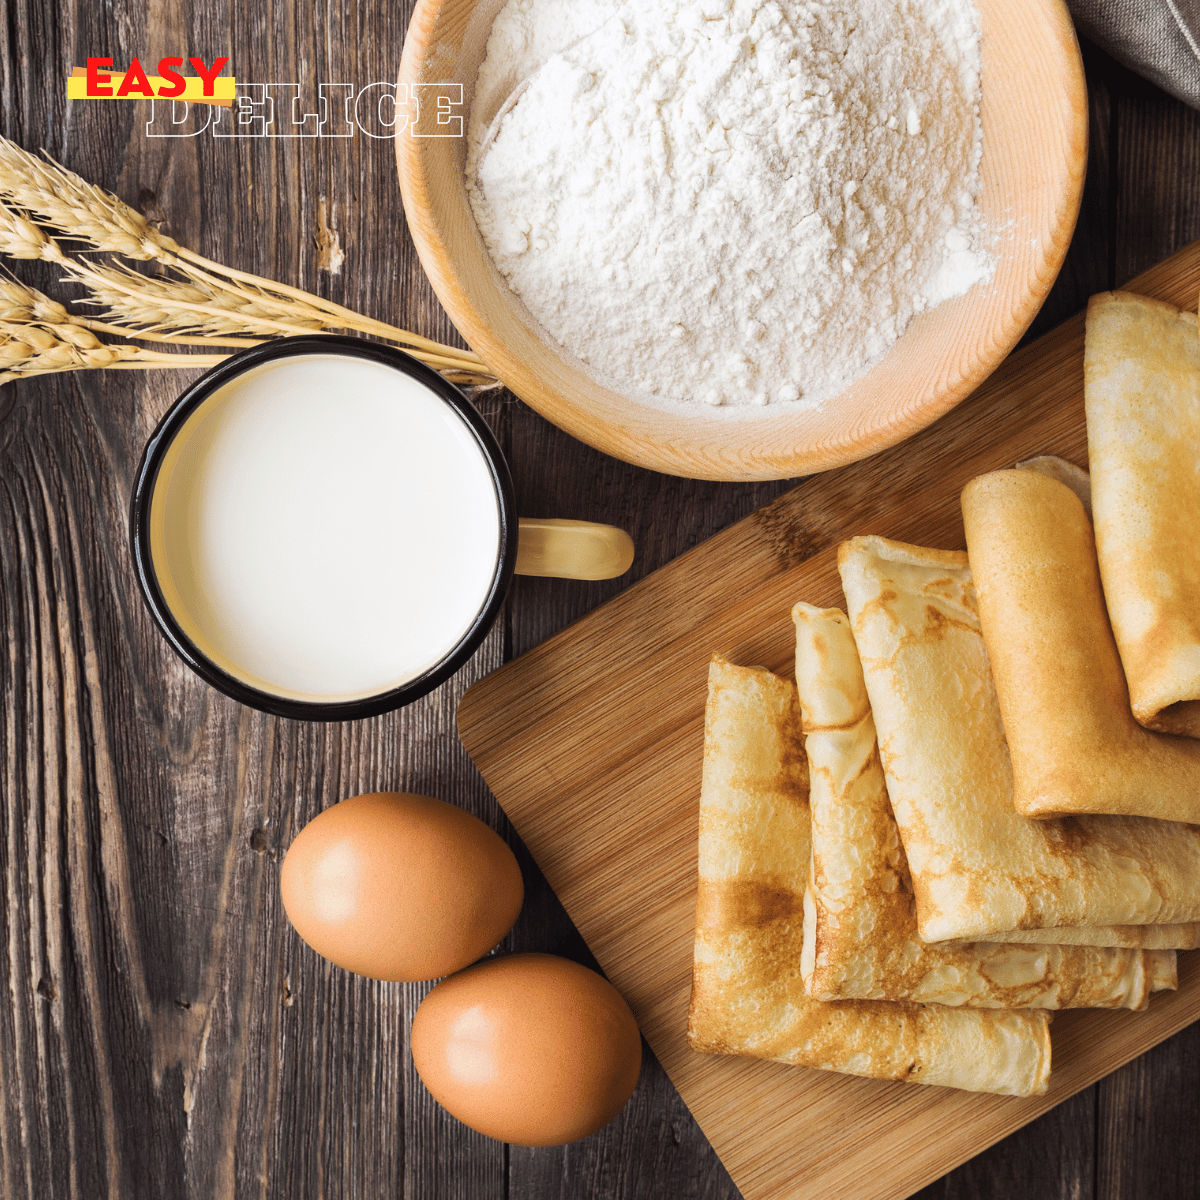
pixel 438 360
pixel 80 209
pixel 108 281
pixel 169 338
pixel 349 318
pixel 44 346
pixel 147 305
pixel 157 358
pixel 178 362
pixel 13 375
pixel 345 318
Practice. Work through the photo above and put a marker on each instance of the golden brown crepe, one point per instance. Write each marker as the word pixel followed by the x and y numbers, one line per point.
pixel 1075 745
pixel 1141 368
pixel 747 996
pixel 978 866
pixel 1076 478
pixel 1185 936
pixel 860 921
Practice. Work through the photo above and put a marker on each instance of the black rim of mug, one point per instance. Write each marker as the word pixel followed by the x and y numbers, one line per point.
pixel 147 477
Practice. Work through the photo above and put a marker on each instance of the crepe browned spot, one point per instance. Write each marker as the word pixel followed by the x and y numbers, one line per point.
pixel 1075 745
pixel 747 996
pixel 1141 369
pixel 860 920
pixel 978 866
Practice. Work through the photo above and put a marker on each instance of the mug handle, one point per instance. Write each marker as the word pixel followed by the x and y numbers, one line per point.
pixel 572 549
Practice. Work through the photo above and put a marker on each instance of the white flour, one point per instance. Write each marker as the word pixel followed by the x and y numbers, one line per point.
pixel 733 202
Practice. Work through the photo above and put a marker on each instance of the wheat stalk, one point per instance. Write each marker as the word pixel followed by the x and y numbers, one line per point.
pixel 138 302
pixel 207 300
pixel 45 347
pixel 67 201
pixel 38 336
pixel 78 208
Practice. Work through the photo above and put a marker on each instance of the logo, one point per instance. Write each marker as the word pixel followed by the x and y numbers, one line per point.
pixel 189 105
pixel 333 110
pixel 98 81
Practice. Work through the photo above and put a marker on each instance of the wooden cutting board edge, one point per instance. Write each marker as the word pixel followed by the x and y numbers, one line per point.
pixel 543 707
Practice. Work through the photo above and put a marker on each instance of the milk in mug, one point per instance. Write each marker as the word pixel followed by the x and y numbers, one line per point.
pixel 325 528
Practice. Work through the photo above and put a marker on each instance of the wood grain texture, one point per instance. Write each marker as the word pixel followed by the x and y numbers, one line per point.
pixel 164 1033
pixel 168 1035
pixel 591 742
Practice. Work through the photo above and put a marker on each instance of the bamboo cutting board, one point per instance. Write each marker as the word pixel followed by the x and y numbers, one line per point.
pixel 592 744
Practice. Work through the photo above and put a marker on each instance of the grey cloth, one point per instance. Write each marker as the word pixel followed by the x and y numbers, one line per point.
pixel 1157 38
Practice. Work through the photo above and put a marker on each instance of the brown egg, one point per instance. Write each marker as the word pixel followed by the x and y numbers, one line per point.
pixel 397 886
pixel 529 1049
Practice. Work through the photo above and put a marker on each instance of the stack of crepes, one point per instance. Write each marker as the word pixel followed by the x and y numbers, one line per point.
pixel 969 813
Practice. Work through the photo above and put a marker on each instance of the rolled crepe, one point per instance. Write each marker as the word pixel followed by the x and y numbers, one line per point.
pixel 978 866
pixel 747 996
pixel 860 920
pixel 1141 369
pixel 1076 478
pixel 1075 745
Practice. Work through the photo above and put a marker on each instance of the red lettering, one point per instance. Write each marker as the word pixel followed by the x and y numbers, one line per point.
pixel 95 79
pixel 176 80
pixel 208 74
pixel 135 81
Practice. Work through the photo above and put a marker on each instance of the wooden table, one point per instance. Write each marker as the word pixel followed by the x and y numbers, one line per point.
pixel 164 1032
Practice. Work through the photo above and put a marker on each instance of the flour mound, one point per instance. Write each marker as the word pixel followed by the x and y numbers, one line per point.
pixel 729 202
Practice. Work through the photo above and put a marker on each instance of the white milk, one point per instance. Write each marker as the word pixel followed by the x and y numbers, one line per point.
pixel 325 528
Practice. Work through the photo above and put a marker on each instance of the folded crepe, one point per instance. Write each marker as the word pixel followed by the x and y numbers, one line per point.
pixel 978 866
pixel 747 996
pixel 1185 936
pixel 1075 745
pixel 860 920
pixel 1141 370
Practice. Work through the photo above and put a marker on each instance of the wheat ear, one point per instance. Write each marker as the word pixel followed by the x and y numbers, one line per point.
pixel 28 348
pixel 83 210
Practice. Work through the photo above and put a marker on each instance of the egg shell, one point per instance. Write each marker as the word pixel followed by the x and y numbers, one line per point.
pixel 397 886
pixel 529 1049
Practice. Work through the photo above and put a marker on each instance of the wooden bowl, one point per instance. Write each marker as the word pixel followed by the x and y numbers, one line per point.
pixel 1034 114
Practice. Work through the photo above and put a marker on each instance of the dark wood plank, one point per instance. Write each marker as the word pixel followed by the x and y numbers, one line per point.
pixel 170 1036
pixel 1088 266
pixel 1052 1157
pixel 1146 1134
pixel 1156 161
